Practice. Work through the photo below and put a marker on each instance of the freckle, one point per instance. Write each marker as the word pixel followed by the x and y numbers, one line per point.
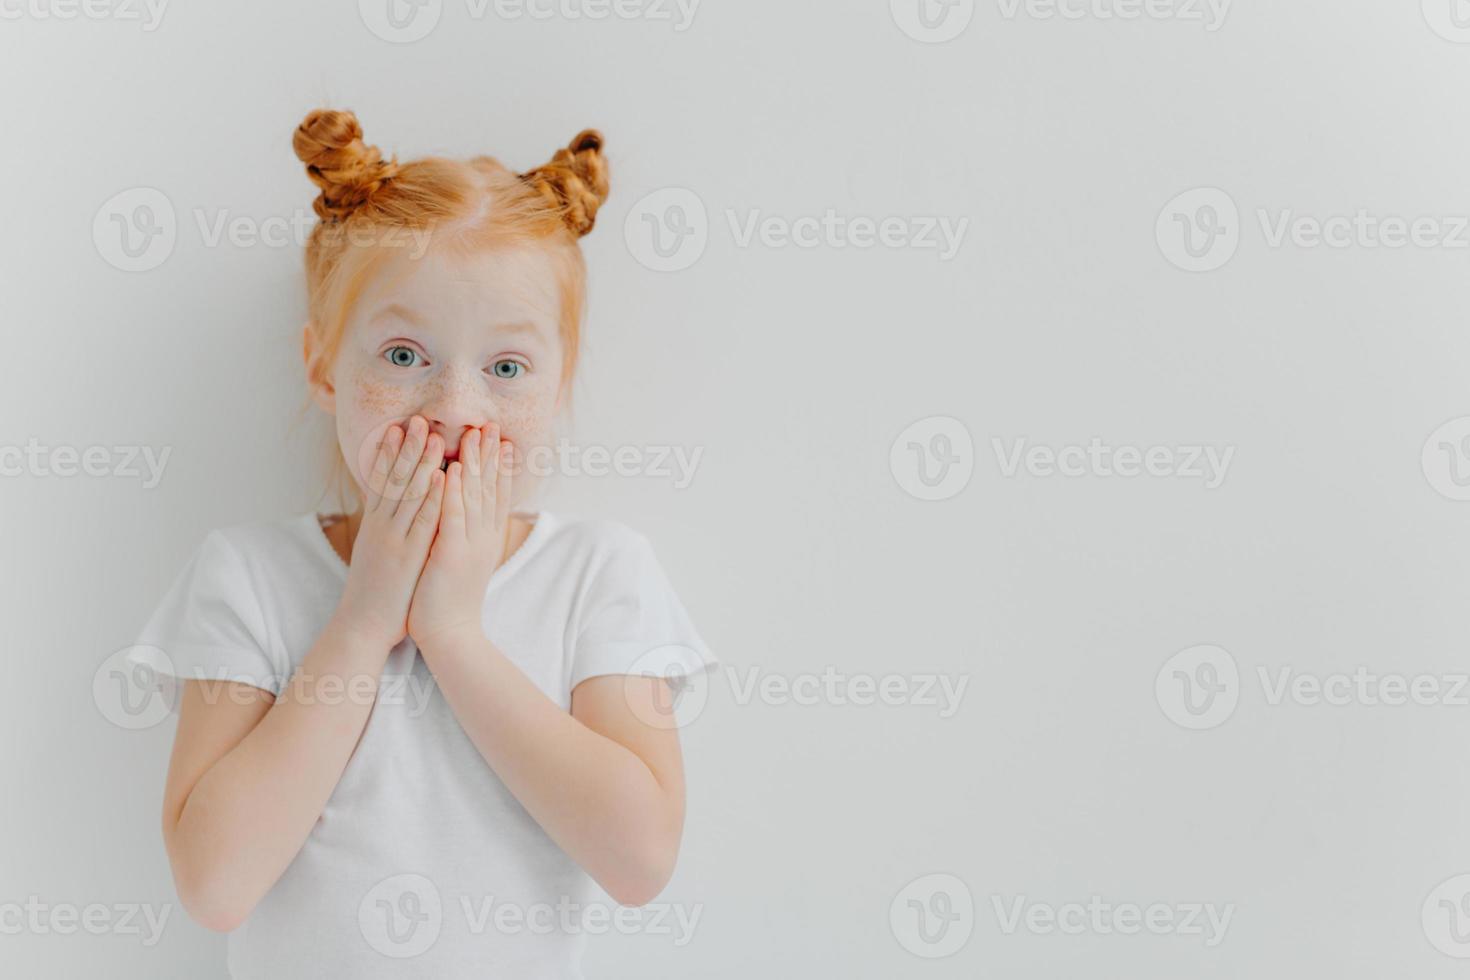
pixel 374 398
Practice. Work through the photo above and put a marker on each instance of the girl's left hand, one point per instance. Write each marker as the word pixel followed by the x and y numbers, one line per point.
pixel 470 542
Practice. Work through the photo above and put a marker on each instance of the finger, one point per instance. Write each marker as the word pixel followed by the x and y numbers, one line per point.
pixel 506 463
pixel 414 442
pixel 491 455
pixel 471 448
pixel 454 514
pixel 413 496
pixel 383 464
pixel 426 521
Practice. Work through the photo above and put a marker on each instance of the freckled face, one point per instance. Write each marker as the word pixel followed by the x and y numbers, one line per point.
pixel 461 340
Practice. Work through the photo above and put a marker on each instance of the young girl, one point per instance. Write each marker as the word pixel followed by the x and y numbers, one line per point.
pixel 412 736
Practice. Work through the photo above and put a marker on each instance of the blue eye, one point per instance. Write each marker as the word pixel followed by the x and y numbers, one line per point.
pixel 508 369
pixel 401 356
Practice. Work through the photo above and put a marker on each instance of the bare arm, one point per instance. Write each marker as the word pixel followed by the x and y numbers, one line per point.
pixel 250 774
pixel 604 784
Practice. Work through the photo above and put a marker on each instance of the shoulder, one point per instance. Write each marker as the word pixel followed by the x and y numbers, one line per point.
pixel 594 538
pixel 262 546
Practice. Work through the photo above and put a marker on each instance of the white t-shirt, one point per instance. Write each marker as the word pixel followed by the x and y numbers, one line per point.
pixel 423 864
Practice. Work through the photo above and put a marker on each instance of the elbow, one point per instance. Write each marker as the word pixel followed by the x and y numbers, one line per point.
pixel 223 921
pixel 642 880
pixel 206 898
pixel 636 892
pixel 213 911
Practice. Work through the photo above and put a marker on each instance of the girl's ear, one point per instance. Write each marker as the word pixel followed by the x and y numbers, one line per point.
pixel 317 377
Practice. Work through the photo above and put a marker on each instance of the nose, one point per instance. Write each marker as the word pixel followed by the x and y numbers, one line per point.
pixel 456 403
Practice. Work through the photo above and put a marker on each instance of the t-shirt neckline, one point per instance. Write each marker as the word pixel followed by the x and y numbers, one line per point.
pixel 312 525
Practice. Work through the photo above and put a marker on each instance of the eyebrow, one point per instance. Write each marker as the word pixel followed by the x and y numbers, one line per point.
pixel 400 311
pixel 525 327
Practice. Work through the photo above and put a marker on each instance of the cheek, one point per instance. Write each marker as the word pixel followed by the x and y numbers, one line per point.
pixel 375 405
pixel 527 422
pixel 374 398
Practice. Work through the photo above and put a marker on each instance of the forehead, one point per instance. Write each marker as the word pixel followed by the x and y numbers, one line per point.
pixel 479 290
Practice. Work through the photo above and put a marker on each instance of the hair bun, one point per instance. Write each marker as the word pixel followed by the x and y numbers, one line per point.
pixel 329 142
pixel 574 181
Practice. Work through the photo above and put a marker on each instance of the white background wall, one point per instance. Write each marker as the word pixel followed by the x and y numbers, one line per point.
pixel 1330 833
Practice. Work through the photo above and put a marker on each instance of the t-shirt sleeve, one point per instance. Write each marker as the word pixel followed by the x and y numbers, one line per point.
pixel 634 622
pixel 208 626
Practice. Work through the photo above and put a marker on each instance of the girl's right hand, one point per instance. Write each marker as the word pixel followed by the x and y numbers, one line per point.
pixel 400 517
